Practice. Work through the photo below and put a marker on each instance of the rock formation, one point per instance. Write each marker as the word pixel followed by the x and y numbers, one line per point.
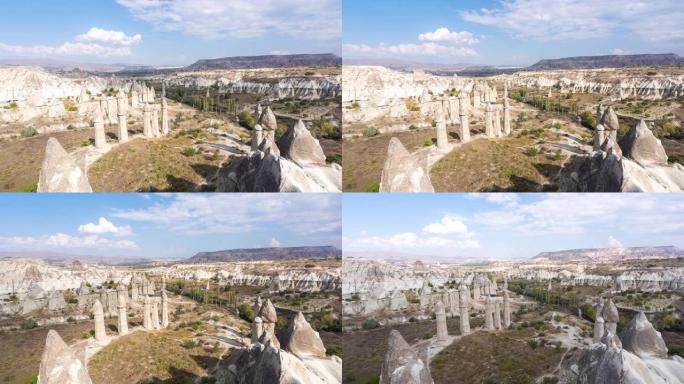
pixel 298 145
pixel 123 125
pixel 599 137
pixel 121 306
pixel 640 338
pixel 164 117
pixel 489 314
pixel 497 121
pixel 165 309
pixel 60 364
pixel 506 309
pixel 268 122
pixel 599 328
pixel 489 123
pixel 257 329
pixel 155 121
pixel 642 146
pixel 257 137
pixel 610 123
pixel 610 316
pixel 268 316
pixel 402 364
pixel 402 173
pixel 440 316
pixel 507 117
pixel 497 314
pixel 441 129
pixel 155 313
pixel 463 311
pixel 100 138
pixel 463 118
pixel 300 339
pixel 147 313
pixel 98 316
pixel 147 121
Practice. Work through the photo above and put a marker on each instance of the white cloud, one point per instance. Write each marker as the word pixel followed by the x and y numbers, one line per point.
pixel 583 19
pixel 429 49
pixel 447 226
pixel 67 49
pixel 310 214
pixel 614 243
pixel 308 19
pixel 274 243
pixel 61 240
pixel 109 37
pixel 105 226
pixel 617 51
pixel 444 35
pixel 409 241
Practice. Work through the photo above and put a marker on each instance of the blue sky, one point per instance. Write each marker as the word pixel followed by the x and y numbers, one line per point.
pixel 172 32
pixel 507 226
pixel 165 226
pixel 515 32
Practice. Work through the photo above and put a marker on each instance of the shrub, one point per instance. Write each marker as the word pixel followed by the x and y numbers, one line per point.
pixel 280 131
pixel 85 335
pixel 281 322
pixel 28 324
pixel 189 344
pixel 246 312
pixel 189 151
pixel 246 119
pixel 375 187
pixel 371 131
pixel 533 344
pixel 412 106
pixel 33 379
pixel 70 106
pixel 33 187
pixel 427 142
pixel 428 335
pixel 355 105
pixel 28 132
pixel 588 119
pixel 87 142
pixel 532 151
pixel 370 324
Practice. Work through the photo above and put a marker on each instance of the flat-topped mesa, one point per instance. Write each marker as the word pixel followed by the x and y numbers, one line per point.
pixel 640 145
pixel 402 173
pixel 299 338
pixel 268 122
pixel 61 172
pixel 464 131
pixel 147 120
pixel 441 128
pixel 489 121
pixel 98 317
pixel 402 364
pixel 298 145
pixel 440 317
pixel 98 127
pixel 60 364
pixel 640 338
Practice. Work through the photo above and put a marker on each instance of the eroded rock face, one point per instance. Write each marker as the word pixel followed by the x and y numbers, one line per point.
pixel 402 364
pixel 298 145
pixel 642 146
pixel 268 312
pixel 300 339
pixel 60 364
pixel 62 172
pixel 402 173
pixel 640 338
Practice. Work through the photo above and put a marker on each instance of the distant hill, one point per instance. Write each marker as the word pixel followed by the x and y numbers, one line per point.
pixel 609 61
pixel 259 254
pixel 611 254
pixel 267 61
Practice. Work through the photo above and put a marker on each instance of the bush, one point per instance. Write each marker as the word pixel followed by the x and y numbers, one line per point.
pixel 355 105
pixel 375 187
pixel 246 119
pixel 33 379
pixel 85 335
pixel 281 322
pixel 28 132
pixel 246 312
pixel 189 344
pixel 70 106
pixel 532 151
pixel 28 324
pixel 427 142
pixel 371 131
pixel 533 344
pixel 588 119
pixel 189 151
pixel 370 324
pixel 280 131
pixel 33 187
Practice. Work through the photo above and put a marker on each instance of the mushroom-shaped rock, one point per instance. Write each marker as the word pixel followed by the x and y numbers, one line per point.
pixel 610 312
pixel 60 364
pixel 268 312
pixel 609 120
pixel 267 120
pixel 402 364
pixel 640 338
pixel 300 339
pixel 402 173
pixel 298 145
pixel 61 172
pixel 642 146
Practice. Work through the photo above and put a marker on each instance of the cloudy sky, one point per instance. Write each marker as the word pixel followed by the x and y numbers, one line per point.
pixel 166 32
pixel 507 226
pixel 165 225
pixel 515 32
